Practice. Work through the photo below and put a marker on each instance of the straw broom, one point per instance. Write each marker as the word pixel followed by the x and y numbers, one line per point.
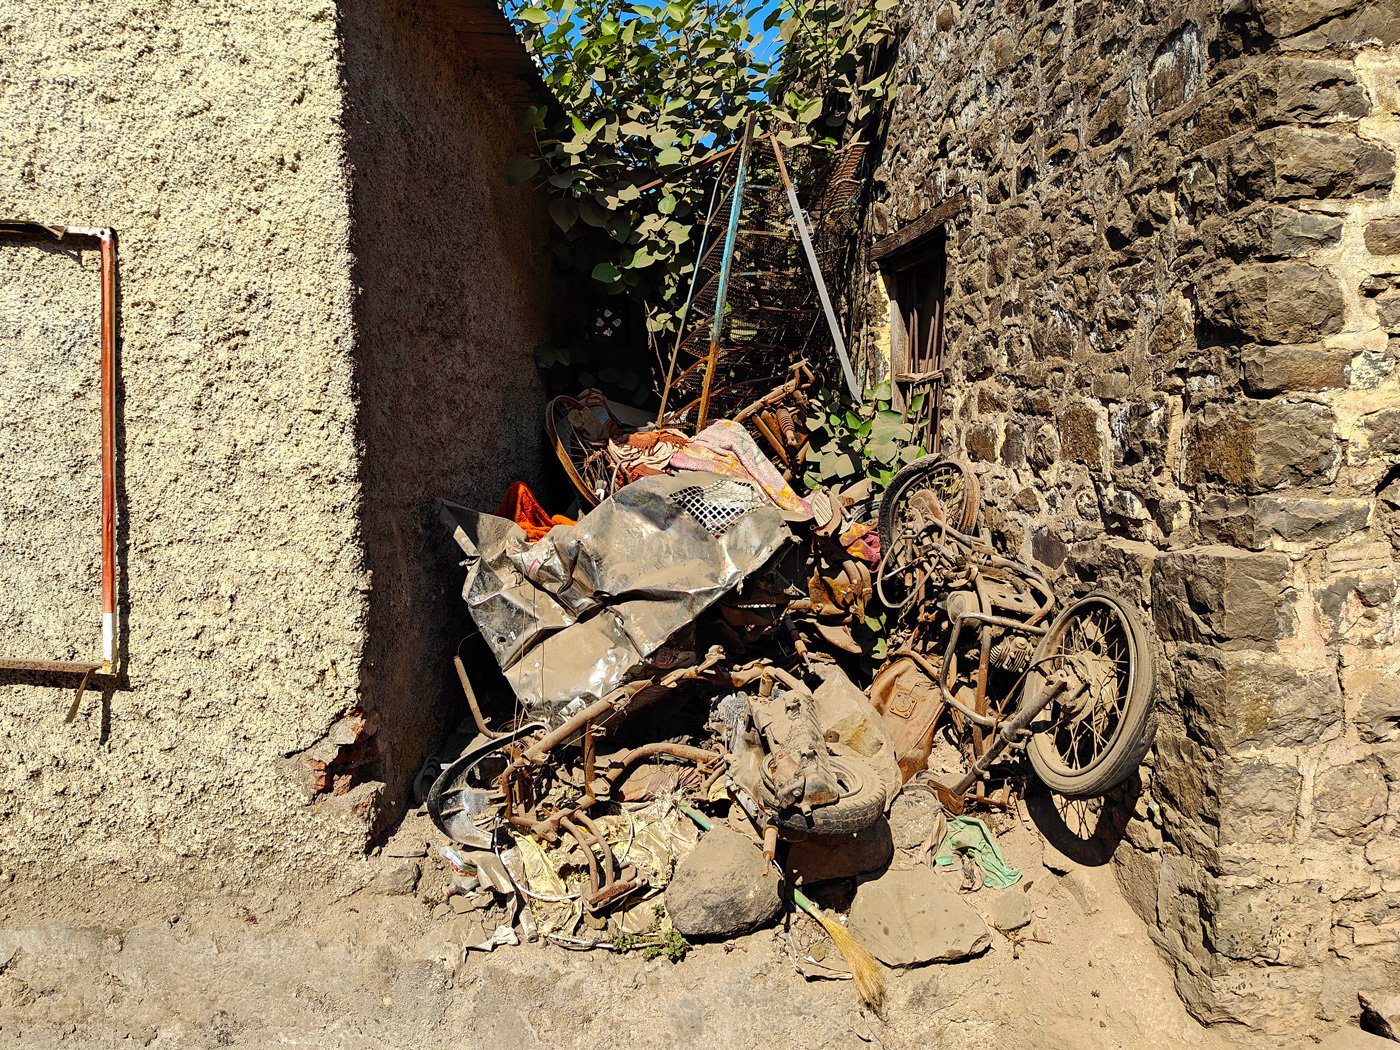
pixel 870 981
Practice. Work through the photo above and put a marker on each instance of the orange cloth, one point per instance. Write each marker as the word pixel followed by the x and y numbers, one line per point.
pixel 520 506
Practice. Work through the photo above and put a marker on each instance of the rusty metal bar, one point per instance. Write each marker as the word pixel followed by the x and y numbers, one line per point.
pixel 106 239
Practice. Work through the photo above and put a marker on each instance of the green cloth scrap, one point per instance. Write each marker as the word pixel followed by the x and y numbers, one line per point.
pixel 969 835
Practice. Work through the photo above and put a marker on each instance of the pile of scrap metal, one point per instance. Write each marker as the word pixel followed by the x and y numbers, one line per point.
pixel 699 596
pixel 682 646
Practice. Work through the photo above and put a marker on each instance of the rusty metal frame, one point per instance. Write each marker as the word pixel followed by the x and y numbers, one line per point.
pixel 106 240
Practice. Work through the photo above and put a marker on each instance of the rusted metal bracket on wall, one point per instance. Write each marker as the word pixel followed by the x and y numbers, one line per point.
pixel 106 240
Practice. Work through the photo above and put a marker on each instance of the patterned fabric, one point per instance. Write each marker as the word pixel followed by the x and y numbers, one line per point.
pixel 725 447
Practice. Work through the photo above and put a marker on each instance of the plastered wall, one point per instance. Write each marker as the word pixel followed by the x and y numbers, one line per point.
pixel 294 374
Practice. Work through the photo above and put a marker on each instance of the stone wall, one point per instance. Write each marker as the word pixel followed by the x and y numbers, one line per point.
pixel 1173 317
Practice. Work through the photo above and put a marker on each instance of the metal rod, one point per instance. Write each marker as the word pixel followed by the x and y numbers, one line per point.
pixel 731 235
pixel 816 269
pixel 107 244
pixel 108 241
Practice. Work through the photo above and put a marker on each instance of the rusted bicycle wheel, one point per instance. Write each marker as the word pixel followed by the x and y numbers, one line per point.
pixel 1095 735
pixel 579 432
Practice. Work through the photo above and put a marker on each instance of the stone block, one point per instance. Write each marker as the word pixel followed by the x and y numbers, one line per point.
pixel 1373 697
pixel 1313 92
pixel 1274 924
pixel 1291 17
pixel 1176 70
pixel 1305 519
pixel 1280 1001
pixel 1350 801
pixel 1383 236
pixel 1234 699
pixel 1262 446
pixel 1259 803
pixel 1270 370
pixel 1289 163
pixel 1222 594
pixel 1227 518
pixel 1279 232
pixel 1282 302
pixel 1082 435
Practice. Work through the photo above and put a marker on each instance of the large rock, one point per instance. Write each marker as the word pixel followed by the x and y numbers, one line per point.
pixel 1270 370
pixel 1283 302
pixel 1350 800
pixel 906 918
pixel 1219 593
pixel 1289 163
pixel 723 887
pixel 1239 697
pixel 1258 446
pixel 821 857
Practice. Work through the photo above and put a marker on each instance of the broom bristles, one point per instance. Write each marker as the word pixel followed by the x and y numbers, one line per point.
pixel 870 982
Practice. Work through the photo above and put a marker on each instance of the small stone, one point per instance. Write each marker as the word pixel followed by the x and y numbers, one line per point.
pixel 905 918
pixel 1005 910
pixel 822 857
pixel 914 816
pixel 724 886
pixel 406 850
pixel 1083 888
pixel 442 911
pixel 397 880
pixel 1383 236
pixel 460 904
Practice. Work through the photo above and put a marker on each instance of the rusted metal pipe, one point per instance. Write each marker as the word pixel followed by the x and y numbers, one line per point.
pixel 107 245
pixel 477 717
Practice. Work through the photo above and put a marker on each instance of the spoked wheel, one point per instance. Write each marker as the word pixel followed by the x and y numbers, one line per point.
pixel 1094 735
pixel 924 493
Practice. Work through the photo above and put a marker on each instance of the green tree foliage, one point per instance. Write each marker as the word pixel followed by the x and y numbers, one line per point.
pixel 646 90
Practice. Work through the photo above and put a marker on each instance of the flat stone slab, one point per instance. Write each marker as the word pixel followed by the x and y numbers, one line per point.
pixel 906 918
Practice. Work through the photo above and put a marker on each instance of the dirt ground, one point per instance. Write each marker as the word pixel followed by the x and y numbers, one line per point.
pixel 373 967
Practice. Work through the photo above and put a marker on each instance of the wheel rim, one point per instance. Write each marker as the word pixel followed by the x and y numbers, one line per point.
pixel 942 492
pixel 1094 652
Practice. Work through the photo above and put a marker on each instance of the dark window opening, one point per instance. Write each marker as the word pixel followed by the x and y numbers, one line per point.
pixel 918 278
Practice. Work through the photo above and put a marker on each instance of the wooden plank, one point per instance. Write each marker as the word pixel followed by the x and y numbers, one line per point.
pixel 48 666
pixel 921 227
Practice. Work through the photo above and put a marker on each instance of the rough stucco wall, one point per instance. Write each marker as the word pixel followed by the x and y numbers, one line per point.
pixel 50 548
pixel 453 293
pixel 1173 323
pixel 208 136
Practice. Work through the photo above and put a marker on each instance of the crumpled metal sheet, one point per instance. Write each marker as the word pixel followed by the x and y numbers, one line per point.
pixel 572 616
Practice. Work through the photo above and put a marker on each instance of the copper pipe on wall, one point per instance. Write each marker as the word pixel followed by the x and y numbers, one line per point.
pixel 106 239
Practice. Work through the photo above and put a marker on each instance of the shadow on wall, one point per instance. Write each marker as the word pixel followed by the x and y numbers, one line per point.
pixel 453 295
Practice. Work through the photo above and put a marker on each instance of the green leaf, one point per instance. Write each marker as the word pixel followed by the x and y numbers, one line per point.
pixel 880 391
pixel 666 205
pixel 534 15
pixel 564 213
pixel 669 157
pixel 521 168
pixel 591 213
pixel 606 273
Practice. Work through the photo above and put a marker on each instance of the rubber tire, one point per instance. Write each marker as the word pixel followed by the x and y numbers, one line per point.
pixel 1136 727
pixel 853 812
pixel 965 519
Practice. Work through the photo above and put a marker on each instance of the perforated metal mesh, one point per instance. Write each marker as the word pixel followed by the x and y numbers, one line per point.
pixel 716 507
